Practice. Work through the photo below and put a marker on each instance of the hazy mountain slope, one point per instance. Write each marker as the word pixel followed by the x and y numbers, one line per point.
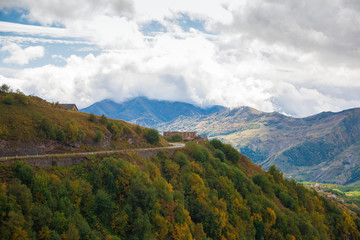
pixel 305 148
pixel 148 112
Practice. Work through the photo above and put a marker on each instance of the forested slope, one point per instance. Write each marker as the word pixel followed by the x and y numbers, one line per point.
pixel 202 192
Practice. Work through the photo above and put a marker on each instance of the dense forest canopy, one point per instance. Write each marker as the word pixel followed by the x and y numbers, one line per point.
pixel 198 193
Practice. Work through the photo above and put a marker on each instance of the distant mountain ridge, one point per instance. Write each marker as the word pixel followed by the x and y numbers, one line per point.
pixel 146 112
pixel 324 147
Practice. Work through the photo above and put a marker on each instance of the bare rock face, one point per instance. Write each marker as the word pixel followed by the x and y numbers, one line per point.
pixel 106 141
pixel 19 148
pixel 75 145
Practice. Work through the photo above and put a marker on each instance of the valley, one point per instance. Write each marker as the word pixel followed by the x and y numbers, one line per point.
pixel 322 148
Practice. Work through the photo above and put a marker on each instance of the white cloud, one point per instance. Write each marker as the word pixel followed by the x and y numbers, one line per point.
pixel 33 30
pixel 22 56
pixel 298 57
pixel 214 10
pixel 4 40
pixel 190 70
pixel 109 32
pixel 65 11
pixel 327 29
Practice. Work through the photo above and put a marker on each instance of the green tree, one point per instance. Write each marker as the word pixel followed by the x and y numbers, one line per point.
pixel 219 154
pixel 262 181
pixel 217 144
pixel 152 136
pixel 231 153
pixel 5 88
pixel 24 172
pixel 98 136
pixel 175 138
pixel 54 236
pixel 104 206
pixel 180 158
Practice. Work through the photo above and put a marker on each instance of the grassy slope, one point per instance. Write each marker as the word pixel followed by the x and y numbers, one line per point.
pixel 21 122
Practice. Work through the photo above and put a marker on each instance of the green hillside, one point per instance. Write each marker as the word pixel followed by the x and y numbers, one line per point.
pixel 322 148
pixel 187 195
pixel 30 125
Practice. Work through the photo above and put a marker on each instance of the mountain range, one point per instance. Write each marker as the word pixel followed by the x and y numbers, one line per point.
pixel 323 148
pixel 146 112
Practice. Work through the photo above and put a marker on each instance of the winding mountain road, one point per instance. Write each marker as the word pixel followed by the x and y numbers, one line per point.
pixel 82 154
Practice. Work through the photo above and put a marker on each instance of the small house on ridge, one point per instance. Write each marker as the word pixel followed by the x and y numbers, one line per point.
pixel 71 107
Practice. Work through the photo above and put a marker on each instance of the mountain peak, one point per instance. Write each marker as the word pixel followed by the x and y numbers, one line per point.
pixel 145 111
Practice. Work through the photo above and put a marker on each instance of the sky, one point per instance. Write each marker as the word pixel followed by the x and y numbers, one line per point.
pixel 295 57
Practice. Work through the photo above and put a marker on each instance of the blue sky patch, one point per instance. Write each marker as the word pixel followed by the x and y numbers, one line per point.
pixel 185 22
pixel 152 28
pixel 16 15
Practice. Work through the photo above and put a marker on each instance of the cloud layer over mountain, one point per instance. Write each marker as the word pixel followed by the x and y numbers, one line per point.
pixel 298 58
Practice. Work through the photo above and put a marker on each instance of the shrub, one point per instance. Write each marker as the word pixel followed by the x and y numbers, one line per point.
pixel 9 99
pixel 4 132
pixel 60 135
pixel 45 125
pixel 42 134
pixel 71 131
pixel 46 129
pixel 52 134
pixel 98 136
pixel 126 129
pixel 115 129
pixel 152 136
pixel 80 135
pixel 175 138
pixel 104 120
pixel 92 117
pixel 138 130
pixel 21 97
